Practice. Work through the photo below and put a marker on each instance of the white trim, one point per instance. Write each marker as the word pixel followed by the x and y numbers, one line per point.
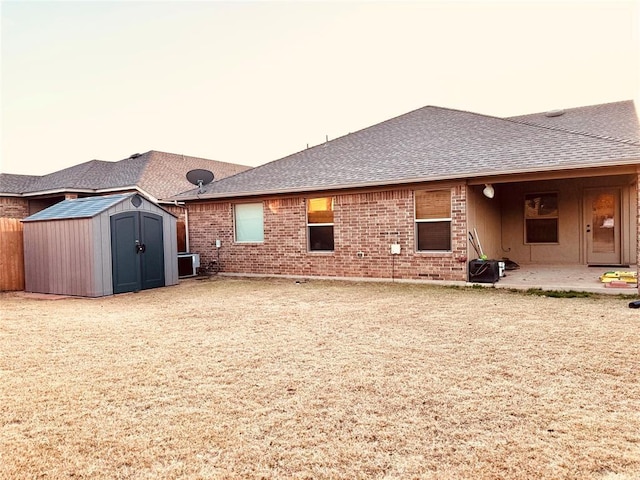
pixel 235 223
pixel 470 178
pixel 417 221
pixel 57 191
pixel 311 225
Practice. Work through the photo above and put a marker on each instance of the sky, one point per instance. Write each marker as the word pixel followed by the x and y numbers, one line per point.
pixel 251 82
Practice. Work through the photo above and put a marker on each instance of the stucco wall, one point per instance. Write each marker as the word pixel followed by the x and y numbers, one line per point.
pixel 366 222
pixel 571 246
pixel 484 216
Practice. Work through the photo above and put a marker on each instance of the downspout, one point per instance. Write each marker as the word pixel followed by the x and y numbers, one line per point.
pixel 186 228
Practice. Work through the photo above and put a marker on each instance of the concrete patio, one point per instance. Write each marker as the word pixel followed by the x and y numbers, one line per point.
pixel 565 277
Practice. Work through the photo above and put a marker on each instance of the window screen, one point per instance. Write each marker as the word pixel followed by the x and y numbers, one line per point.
pixel 249 222
pixel 433 220
pixel 541 218
pixel 320 224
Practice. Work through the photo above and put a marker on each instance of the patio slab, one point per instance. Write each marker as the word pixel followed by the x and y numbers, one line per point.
pixel 579 278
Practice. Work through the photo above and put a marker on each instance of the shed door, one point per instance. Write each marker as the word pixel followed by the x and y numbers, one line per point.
pixel 137 251
pixel 152 258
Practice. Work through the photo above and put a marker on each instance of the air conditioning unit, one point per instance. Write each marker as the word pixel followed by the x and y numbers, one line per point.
pixel 188 264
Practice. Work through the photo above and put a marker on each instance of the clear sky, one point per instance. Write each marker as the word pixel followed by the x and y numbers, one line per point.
pixel 250 82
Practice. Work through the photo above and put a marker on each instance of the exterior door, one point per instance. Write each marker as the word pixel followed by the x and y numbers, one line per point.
pixel 602 222
pixel 152 256
pixel 137 251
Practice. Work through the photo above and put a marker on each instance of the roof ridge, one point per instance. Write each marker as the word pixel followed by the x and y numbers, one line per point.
pixel 146 157
pixel 19 174
pixel 579 107
pixel 551 127
pixel 503 120
pixel 321 145
pixel 88 167
pixel 193 157
pixel 341 136
pixel 574 132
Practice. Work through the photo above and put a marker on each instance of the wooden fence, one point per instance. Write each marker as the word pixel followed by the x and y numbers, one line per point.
pixel 11 255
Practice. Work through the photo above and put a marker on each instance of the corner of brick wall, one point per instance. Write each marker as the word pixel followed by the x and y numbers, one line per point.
pixel 14 207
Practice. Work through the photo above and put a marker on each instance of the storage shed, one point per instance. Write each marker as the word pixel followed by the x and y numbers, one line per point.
pixel 97 246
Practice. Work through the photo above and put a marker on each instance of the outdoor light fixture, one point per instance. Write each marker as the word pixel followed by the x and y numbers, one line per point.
pixel 488 191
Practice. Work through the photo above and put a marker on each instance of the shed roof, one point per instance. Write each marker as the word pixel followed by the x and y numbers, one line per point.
pixel 78 208
pixel 428 144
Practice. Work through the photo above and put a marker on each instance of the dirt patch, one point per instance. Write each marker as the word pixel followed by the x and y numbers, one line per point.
pixel 247 378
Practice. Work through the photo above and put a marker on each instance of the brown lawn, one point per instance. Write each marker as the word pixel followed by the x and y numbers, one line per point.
pixel 237 378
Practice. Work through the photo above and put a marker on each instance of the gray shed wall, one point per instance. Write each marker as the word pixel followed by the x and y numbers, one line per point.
pixel 59 258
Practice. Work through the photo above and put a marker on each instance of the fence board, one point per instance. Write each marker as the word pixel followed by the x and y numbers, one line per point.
pixel 11 255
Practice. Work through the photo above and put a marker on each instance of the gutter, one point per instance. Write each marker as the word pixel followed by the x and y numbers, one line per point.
pixel 85 190
pixel 213 196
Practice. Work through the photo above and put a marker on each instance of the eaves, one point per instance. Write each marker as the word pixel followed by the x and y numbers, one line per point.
pixel 413 180
pixel 57 191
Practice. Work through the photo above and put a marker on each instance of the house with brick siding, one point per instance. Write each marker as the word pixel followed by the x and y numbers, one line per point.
pixel 399 199
pixel 154 175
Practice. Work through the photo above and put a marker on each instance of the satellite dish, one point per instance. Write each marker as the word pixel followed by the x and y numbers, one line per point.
pixel 200 178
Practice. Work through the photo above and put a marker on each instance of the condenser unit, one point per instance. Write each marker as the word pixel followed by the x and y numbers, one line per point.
pixel 188 264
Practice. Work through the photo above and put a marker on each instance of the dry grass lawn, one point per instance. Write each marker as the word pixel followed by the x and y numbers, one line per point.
pixel 247 379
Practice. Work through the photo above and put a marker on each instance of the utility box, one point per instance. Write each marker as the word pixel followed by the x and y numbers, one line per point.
pixel 484 271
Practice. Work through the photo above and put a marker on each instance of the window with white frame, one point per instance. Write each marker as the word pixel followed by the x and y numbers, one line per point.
pixel 320 224
pixel 541 218
pixel 433 220
pixel 248 221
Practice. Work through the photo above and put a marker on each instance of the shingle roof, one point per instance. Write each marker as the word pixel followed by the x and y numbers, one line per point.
pixel 617 120
pixel 165 173
pixel 10 183
pixel 158 173
pixel 430 143
pixel 78 208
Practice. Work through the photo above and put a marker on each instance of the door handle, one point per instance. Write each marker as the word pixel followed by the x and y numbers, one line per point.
pixel 140 247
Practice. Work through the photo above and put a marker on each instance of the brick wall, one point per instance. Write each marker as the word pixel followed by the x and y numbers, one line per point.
pixel 13 207
pixel 363 222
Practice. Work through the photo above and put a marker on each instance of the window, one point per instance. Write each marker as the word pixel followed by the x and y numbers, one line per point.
pixel 248 222
pixel 541 218
pixel 320 224
pixel 433 220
